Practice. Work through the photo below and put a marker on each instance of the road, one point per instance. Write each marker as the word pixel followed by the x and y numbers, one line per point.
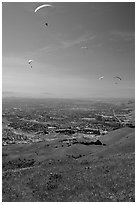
pixel 116 117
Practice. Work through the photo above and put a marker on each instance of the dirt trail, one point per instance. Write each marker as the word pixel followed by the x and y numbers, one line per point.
pixel 17 170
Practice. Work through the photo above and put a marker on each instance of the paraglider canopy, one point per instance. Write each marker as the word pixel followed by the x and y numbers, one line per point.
pixel 30 61
pixel 84 47
pixel 117 77
pixel 100 78
pixel 42 6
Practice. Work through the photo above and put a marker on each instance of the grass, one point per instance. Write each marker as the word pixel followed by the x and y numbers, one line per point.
pixel 100 174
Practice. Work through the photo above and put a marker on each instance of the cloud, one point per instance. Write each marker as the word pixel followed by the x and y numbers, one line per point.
pixel 84 38
pixel 122 35
pixel 63 44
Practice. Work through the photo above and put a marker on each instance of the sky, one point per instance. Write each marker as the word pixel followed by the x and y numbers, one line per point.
pixel 82 42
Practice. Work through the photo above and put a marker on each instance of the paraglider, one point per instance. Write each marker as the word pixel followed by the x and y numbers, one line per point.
pixel 30 61
pixel 117 78
pixel 42 6
pixel 100 78
pixel 84 47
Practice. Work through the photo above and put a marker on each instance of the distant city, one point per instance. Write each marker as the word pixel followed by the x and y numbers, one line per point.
pixel 27 121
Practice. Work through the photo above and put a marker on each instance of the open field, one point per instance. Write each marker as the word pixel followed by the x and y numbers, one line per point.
pixel 60 172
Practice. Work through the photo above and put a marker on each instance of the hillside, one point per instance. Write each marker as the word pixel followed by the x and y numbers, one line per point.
pixel 56 171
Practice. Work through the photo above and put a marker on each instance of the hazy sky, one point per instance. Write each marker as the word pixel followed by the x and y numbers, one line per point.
pixel 61 67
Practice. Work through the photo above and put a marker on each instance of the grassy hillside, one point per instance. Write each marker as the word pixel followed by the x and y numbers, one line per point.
pixel 58 172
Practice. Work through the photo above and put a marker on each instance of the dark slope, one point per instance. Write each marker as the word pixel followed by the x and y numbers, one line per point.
pixel 116 135
pixel 60 173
